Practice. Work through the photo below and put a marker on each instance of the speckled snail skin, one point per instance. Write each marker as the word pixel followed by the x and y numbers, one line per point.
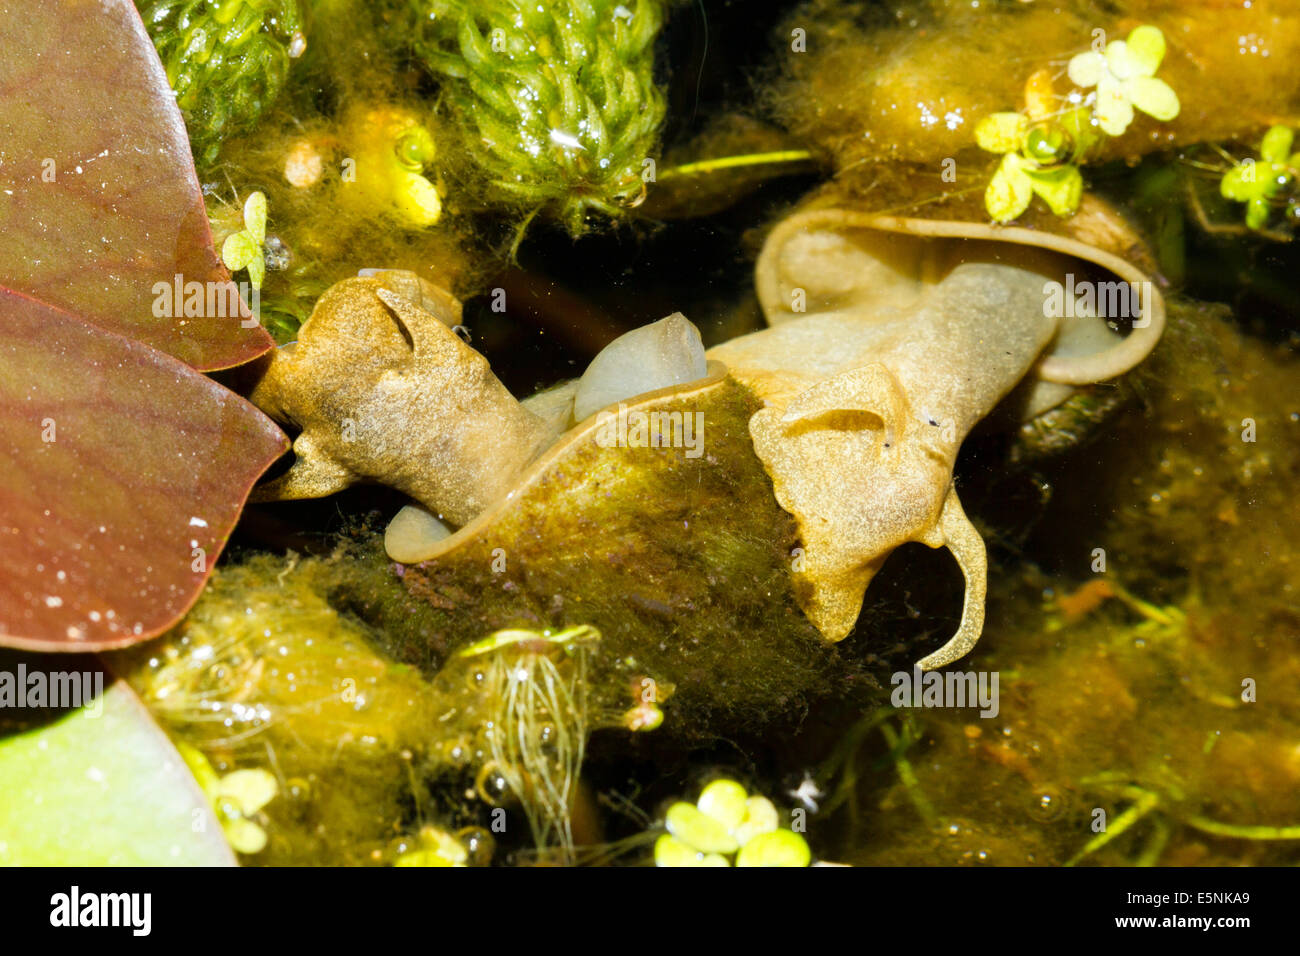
pixel 890 339
pixel 384 390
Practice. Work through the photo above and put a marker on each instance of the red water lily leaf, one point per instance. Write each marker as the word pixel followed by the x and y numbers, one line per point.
pixel 122 468
pixel 122 472
pixel 98 196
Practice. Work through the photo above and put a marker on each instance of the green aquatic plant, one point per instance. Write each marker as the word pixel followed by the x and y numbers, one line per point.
pixel 101 785
pixel 727 826
pixel 839 778
pixel 391 151
pixel 1258 183
pixel 556 103
pixel 226 60
pixel 237 798
pixel 537 684
pixel 246 249
pixel 523 703
pixel 1041 150
pixel 1165 802
pixel 1043 145
pixel 1124 75
pixel 265 673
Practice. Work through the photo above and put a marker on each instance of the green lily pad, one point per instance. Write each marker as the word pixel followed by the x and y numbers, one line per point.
pixel 102 786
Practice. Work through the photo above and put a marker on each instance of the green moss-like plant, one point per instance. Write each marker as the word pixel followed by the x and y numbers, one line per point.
pixel 226 60
pixel 556 103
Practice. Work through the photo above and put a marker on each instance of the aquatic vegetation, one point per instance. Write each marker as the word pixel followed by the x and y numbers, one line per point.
pixel 101 786
pixel 729 159
pixel 1164 805
pixel 126 468
pixel 728 827
pixel 60 140
pixel 556 103
pixel 244 249
pixel 526 702
pixel 237 798
pixel 841 775
pixel 391 150
pixel 360 187
pixel 1042 146
pixel 1260 183
pixel 434 847
pixel 226 60
pixel 537 682
pixel 266 675
pixel 1040 149
pixel 927 87
pixel 676 539
pixel 1124 74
